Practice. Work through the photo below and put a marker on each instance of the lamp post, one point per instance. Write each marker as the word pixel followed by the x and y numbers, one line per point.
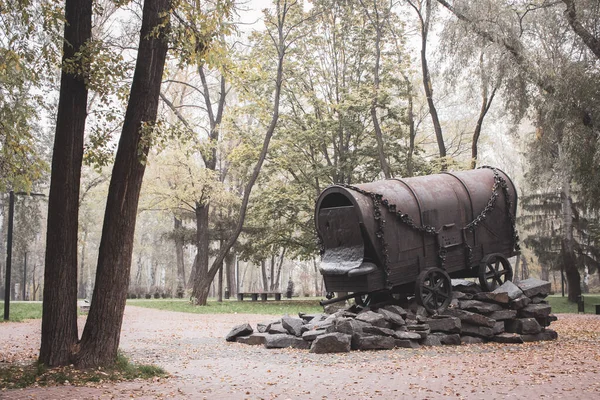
pixel 11 212
pixel 9 240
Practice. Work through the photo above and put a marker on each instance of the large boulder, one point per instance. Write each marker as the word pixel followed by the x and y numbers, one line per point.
pixel 350 326
pixel 535 311
pixel 470 318
pixel 499 328
pixel 276 329
pixel 313 334
pixel 372 342
pixel 331 343
pixel 508 338
pixel 254 339
pixel 510 288
pixel 292 325
pixel 534 287
pixel 503 315
pixel 527 326
pixel 500 298
pixel 465 286
pixel 407 335
pixel 479 307
pixel 520 302
pixel 373 318
pixel 392 317
pixel 447 339
pixel 239 330
pixel 375 330
pixel 396 310
pixel 444 324
pixel 431 340
pixel 282 340
pixel 477 330
pixel 547 334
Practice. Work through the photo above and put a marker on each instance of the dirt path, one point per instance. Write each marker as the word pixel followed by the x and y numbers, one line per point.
pixel 203 366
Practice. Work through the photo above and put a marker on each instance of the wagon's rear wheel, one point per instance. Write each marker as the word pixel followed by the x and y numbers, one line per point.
pixel 363 300
pixel 434 290
pixel 494 270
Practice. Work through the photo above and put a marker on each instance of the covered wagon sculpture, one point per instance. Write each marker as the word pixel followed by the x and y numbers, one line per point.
pixel 411 236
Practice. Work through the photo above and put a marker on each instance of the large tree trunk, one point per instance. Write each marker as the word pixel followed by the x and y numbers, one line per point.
pixel 200 270
pixel 567 249
pixel 100 339
pixel 486 103
pixel 82 278
pixel 427 85
pixel 265 280
pixel 377 25
pixel 275 283
pixel 230 273
pixel 412 132
pixel 179 242
pixel 59 317
pixel 201 288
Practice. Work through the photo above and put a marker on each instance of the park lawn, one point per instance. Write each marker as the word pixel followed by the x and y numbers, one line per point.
pixel 291 307
pixel 22 310
pixel 560 305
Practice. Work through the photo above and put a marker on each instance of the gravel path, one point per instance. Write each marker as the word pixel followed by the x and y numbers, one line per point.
pixel 203 366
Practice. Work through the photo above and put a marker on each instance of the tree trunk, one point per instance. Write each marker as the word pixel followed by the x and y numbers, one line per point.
pixel 275 285
pixel 374 102
pixel 200 292
pixel 265 280
pixel 230 274
pixel 82 275
pixel 567 248
pixel 202 244
pixel 486 103
pixel 59 316
pixel 179 242
pixel 410 169
pixel 427 85
pixel 100 339
pixel 317 276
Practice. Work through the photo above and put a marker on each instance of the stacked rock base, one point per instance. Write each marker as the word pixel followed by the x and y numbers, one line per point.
pixel 513 313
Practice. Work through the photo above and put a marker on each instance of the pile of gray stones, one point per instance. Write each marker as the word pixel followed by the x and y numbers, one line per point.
pixel 513 313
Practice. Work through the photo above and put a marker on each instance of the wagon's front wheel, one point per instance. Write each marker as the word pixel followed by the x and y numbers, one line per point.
pixel 494 270
pixel 434 290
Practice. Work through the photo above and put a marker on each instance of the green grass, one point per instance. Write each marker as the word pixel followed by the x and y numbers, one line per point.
pixel 560 305
pixel 21 376
pixel 232 306
pixel 20 311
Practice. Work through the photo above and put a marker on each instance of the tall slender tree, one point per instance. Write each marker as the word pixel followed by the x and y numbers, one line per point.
pixel 100 338
pixel 59 319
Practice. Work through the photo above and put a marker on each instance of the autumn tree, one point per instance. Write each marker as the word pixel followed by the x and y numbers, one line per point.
pixel 553 46
pixel 59 318
pixel 424 11
pixel 282 25
pixel 99 343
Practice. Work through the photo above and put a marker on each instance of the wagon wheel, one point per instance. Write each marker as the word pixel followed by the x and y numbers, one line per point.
pixel 363 300
pixel 494 270
pixel 434 290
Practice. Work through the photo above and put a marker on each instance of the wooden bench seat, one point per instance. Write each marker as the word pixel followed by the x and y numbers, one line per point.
pixel 263 295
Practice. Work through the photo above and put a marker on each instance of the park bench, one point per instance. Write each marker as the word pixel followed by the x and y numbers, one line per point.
pixel 263 296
